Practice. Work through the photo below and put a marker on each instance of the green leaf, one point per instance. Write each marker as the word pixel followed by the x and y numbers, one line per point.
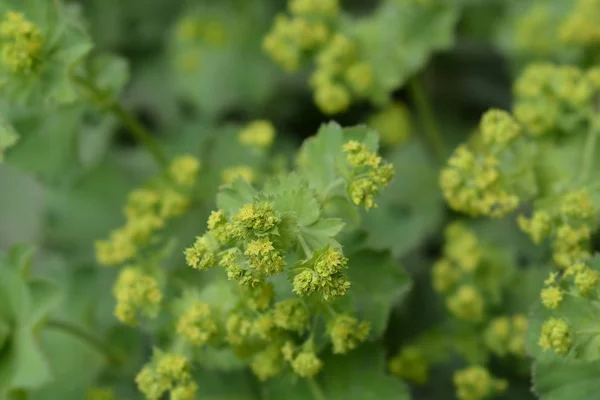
pixel 219 75
pixel 399 38
pixel 410 208
pixel 231 197
pixel 359 375
pixel 8 137
pixel 322 232
pixel 65 43
pixel 377 284
pixel 566 380
pixel 322 162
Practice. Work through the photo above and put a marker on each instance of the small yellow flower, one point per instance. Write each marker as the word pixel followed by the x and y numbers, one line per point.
pixel 556 335
pixel 476 383
pixel 411 364
pixel 551 297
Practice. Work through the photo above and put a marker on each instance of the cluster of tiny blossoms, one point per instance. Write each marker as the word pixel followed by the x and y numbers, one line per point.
pixel 311 32
pixel 308 28
pixel 21 42
pixel 370 174
pixel 453 275
pixel 473 182
pixel 410 363
pixel 147 210
pixel 569 221
pixel 547 93
pixel 476 383
pixel 579 282
pixel 167 373
pixel 261 239
pixel 137 290
pixel 506 335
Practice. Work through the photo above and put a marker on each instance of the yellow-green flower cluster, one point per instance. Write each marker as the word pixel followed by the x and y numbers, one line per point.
pixel 340 74
pixel 506 335
pixel 545 92
pixel 306 364
pixel 259 134
pixel 147 211
pixel 323 274
pixel 473 182
pixel 370 174
pixel 454 275
pixel 466 303
pixel 580 27
pixel 476 383
pixel 578 279
pixel 290 315
pixel 393 124
pixel 21 42
pixel 167 372
pixel 410 363
pixel 556 335
pixel 347 333
pixel 136 293
pixel 308 28
pixel 569 222
pixel 197 324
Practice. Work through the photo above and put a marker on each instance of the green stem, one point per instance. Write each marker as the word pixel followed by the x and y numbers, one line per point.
pixel 316 390
pixel 137 130
pixel 425 113
pixel 86 337
pixel 304 245
pixel 590 146
pixel 590 332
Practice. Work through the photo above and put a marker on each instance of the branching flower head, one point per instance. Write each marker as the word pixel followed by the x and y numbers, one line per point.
pixel 136 292
pixel 476 383
pixel 167 372
pixel 346 333
pixel 307 364
pixel 556 335
pixel 22 43
pixel 410 363
pixel 291 315
pixel 197 324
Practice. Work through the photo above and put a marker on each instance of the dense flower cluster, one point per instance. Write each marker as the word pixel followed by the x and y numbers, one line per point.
pixel 476 383
pixel 473 182
pixel 312 32
pixel 461 275
pixel 136 292
pixel 370 174
pixel 167 373
pixel 410 363
pixel 21 42
pixel 506 335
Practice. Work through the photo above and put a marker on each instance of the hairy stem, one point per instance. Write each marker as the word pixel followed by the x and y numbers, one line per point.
pixel 85 337
pixel 137 130
pixel 316 390
pixel 426 117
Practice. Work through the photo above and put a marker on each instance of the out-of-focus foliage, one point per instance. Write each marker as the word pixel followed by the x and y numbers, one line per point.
pixel 180 215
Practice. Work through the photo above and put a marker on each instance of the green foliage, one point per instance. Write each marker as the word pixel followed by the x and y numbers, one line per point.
pixel 203 229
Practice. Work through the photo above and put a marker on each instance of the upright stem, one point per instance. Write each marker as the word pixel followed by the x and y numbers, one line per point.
pixel 86 337
pixel 137 130
pixel 304 246
pixel 590 146
pixel 316 390
pixel 427 119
